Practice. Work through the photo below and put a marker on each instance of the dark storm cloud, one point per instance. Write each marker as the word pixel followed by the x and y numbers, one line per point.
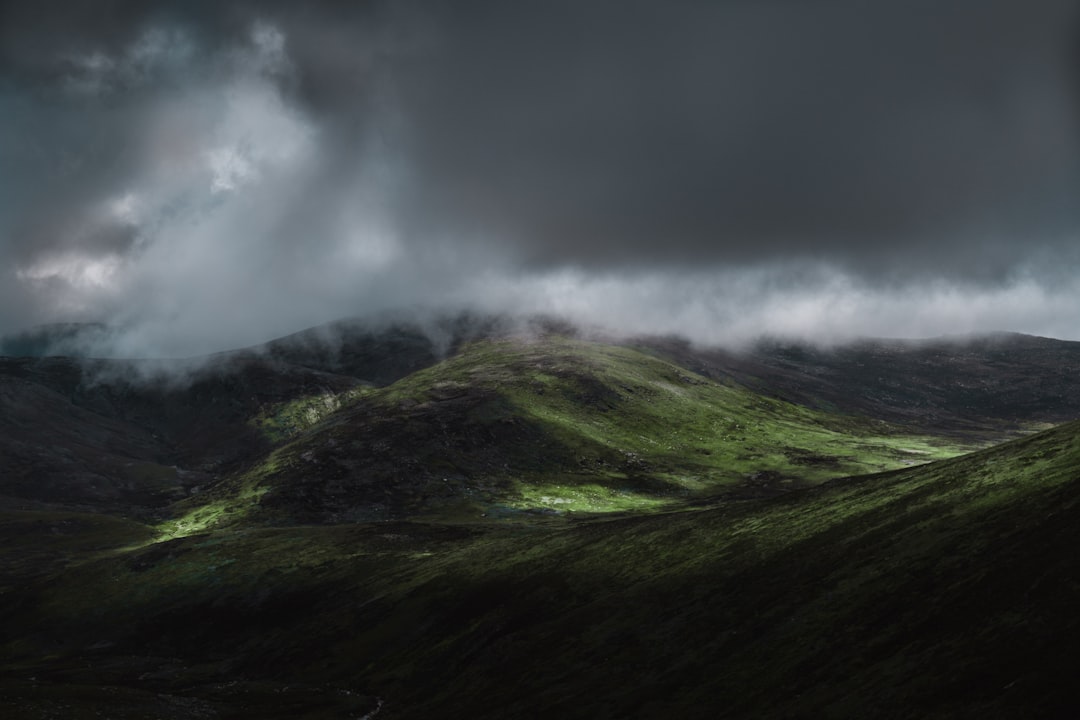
pixel 728 132
pixel 206 174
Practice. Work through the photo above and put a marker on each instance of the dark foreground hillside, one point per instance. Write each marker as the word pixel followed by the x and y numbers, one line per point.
pixel 947 590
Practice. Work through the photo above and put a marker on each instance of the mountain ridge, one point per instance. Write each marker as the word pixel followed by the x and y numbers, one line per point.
pixel 203 421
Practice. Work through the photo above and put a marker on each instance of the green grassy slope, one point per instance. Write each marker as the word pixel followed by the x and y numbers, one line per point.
pixel 945 590
pixel 557 425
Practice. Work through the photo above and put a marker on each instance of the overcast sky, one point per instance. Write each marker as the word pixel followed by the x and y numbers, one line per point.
pixel 213 174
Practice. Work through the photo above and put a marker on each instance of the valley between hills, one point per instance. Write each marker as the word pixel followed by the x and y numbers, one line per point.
pixel 493 520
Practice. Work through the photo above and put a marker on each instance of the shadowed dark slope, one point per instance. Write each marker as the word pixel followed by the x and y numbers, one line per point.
pixel 86 432
pixel 978 385
pixel 132 435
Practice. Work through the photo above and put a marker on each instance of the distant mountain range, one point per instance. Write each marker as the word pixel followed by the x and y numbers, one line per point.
pixel 969 384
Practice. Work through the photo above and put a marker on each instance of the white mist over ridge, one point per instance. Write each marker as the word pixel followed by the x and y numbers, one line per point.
pixel 729 310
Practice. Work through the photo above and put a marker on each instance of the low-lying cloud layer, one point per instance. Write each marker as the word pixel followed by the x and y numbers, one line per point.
pixel 207 175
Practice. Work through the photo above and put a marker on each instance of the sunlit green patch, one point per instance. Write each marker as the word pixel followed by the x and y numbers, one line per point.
pixel 231 503
pixel 282 421
pixel 585 497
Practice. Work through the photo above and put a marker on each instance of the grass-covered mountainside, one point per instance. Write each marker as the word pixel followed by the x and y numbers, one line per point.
pixel 553 425
pixel 498 526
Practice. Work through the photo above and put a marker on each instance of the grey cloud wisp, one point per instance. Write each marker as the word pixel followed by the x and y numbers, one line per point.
pixel 207 175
